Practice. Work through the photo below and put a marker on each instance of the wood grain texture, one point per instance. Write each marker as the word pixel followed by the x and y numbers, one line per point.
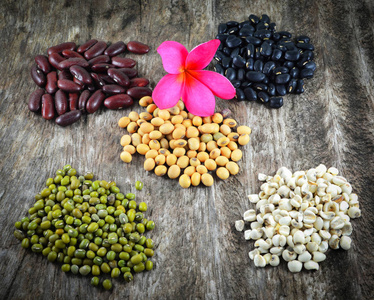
pixel 199 255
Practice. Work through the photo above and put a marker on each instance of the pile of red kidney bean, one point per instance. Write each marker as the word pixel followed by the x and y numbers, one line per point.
pixel 76 80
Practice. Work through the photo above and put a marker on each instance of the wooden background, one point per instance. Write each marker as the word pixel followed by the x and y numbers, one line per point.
pixel 199 254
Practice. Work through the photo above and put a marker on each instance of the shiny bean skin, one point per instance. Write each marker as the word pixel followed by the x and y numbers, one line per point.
pixel 95 101
pixel 68 118
pixel 61 102
pixel 38 76
pixel 83 100
pixel 101 68
pixel 87 45
pixel 35 100
pixel 137 47
pixel 119 77
pixel 43 63
pixel 65 74
pixel 129 72
pixel 48 110
pixel 77 81
pixel 123 62
pixel 54 59
pixel 115 49
pixel 51 86
pixel 73 101
pixel 113 89
pixel 81 74
pixel 106 78
pixel 59 48
pixel 70 54
pixel 139 92
pixel 141 82
pixel 66 64
pixel 101 59
pixel 95 50
pixel 69 86
pixel 118 101
pixel 97 79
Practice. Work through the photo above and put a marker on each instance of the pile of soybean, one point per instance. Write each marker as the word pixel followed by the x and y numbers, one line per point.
pixel 262 63
pixel 89 227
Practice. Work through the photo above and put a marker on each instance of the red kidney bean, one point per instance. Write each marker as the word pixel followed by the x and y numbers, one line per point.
pixel 106 78
pixel 98 81
pixel 68 118
pixel 101 68
pixel 113 89
pixel 95 101
pixel 139 92
pixel 123 62
pixel 59 48
pixel 87 45
pixel 48 110
pixel 73 101
pixel 118 101
pixel 69 86
pixel 95 50
pixel 81 74
pixel 119 77
pixel 61 102
pixel 66 64
pixel 51 86
pixel 91 87
pixel 71 54
pixel 77 81
pixel 35 100
pixel 54 59
pixel 43 63
pixel 139 82
pixel 115 49
pixel 101 59
pixel 83 100
pixel 38 76
pixel 65 74
pixel 137 47
pixel 129 72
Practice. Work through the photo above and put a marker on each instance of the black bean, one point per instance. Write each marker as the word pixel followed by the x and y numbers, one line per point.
pixel 257 53
pixel 262 34
pixel 282 78
pixel 265 18
pixel 245 31
pixel 290 46
pixel 306 73
pixel 250 64
pixel 226 62
pixel 219 55
pixel 310 65
pixel 233 30
pixel 281 89
pixel 240 74
pixel 219 69
pixel 268 67
pixel 226 51
pixel 232 41
pixel 246 84
pixel 272 27
pixel 253 40
pixel 250 50
pixel 266 49
pixel 271 89
pixel 305 46
pixel 232 23
pixel 263 96
pixel 222 37
pixel 276 36
pixel 302 62
pixel 292 85
pixel 258 66
pixel 222 28
pixel 250 94
pixel 220 47
pixel 230 74
pixel 246 24
pixel 240 96
pixel 281 48
pixel 294 72
pixel 292 55
pixel 308 54
pixel 277 55
pixel 262 26
pixel 285 33
pixel 300 87
pixel 303 39
pixel 260 86
pixel 280 70
pixel 235 52
pixel 255 76
pixel 254 19
pixel 266 80
pixel 276 102
pixel 289 64
pixel 236 83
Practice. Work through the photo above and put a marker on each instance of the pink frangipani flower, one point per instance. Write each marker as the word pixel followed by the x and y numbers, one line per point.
pixel 188 81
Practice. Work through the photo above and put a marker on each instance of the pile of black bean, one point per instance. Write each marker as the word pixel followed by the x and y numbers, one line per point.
pixel 75 80
pixel 262 63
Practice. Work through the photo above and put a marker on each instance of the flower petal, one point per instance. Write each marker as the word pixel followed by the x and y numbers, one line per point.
pixel 173 56
pixel 218 84
pixel 202 55
pixel 199 100
pixel 168 90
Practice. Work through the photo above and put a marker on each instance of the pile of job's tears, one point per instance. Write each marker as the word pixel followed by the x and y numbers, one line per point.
pixel 299 216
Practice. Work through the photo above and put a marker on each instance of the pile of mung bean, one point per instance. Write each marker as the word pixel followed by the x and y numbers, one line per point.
pixel 301 215
pixel 179 144
pixel 89 227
